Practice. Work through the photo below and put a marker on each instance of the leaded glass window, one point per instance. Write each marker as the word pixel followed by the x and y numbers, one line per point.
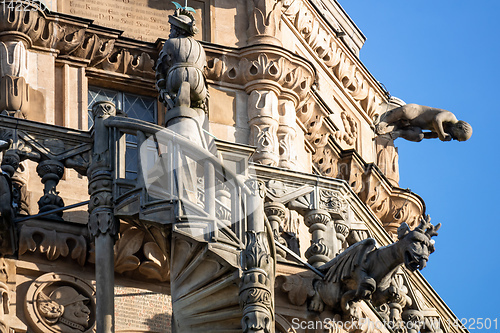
pixel 135 106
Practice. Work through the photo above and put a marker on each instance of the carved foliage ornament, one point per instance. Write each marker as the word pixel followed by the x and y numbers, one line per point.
pixel 328 49
pixel 287 73
pixel 47 31
pixel 60 303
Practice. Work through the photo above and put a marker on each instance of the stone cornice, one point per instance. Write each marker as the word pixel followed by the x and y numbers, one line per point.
pixel 269 66
pixel 335 58
pixel 78 40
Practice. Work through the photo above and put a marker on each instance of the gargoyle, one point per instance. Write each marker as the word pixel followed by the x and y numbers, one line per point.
pixel 415 122
pixel 363 271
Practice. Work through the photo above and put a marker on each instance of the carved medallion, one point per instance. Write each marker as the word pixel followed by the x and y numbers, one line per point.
pixel 60 303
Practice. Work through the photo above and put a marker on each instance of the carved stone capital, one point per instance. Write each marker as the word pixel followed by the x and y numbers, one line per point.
pixel 103 109
pixel 317 216
pixel 257 187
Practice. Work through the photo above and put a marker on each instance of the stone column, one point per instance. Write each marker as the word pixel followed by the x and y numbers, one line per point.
pixel 263 120
pixel 286 135
pixel 102 225
pixel 14 91
pixel 318 253
pixel 257 280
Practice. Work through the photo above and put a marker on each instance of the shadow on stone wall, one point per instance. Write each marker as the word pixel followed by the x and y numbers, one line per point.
pixel 161 323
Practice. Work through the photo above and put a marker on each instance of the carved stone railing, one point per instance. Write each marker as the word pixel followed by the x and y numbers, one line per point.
pixel 53 149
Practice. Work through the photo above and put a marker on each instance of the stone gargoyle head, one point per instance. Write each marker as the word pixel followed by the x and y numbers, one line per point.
pixel 416 245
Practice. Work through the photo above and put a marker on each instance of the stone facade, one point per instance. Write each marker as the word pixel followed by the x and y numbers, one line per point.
pixel 250 193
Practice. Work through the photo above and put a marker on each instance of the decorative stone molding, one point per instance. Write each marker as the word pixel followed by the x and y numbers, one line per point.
pixel 349 134
pixel 263 114
pixel 9 322
pixel 54 244
pixel 334 203
pixel 60 303
pixel 324 156
pixel 277 83
pixel 264 21
pixel 257 285
pixel 137 254
pixel 266 66
pixel 76 40
pixel 387 158
pixel 337 59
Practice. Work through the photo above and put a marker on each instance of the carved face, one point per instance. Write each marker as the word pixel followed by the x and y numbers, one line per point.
pixel 77 313
pixel 417 250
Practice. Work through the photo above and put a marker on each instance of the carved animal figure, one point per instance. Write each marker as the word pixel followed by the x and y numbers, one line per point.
pixel 363 271
pixel 411 120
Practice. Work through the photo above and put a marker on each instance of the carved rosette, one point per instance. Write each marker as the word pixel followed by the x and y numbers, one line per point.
pixel 257 285
pixel 60 303
pixel 318 253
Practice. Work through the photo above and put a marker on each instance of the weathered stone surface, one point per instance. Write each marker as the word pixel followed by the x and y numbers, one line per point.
pixel 139 19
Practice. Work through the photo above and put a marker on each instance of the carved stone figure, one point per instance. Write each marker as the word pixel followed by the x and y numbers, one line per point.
pixel 183 89
pixel 415 122
pixel 66 308
pixel 60 303
pixel 182 59
pixel 362 270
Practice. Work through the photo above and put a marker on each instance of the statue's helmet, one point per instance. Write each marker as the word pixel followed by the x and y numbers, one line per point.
pixel 66 295
pixel 184 21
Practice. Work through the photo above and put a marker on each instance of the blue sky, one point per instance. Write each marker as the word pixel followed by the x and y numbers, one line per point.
pixel 444 53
